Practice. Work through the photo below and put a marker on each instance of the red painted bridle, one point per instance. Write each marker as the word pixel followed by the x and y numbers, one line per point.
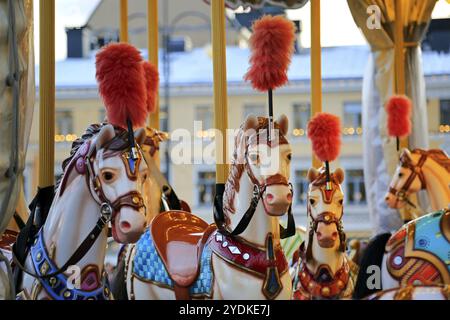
pixel 416 171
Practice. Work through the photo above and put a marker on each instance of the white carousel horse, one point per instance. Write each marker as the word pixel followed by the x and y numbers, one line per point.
pixel 324 271
pixel 103 181
pixel 413 293
pixel 416 254
pixel 417 170
pixel 181 257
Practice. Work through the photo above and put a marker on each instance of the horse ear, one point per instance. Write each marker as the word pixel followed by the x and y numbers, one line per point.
pixel 251 122
pixel 140 136
pixel 406 152
pixel 313 173
pixel 283 123
pixel 106 134
pixel 339 174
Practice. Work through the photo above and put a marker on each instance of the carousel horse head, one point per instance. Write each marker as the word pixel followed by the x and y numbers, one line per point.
pixel 115 174
pixel 266 163
pixel 407 179
pixel 325 211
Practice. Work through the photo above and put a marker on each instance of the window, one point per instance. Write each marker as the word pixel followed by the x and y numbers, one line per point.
pixel 205 115
pixel 205 185
pixel 444 122
pixel 301 115
pixel 352 118
pixel 356 192
pixel 255 109
pixel 301 186
pixel 64 122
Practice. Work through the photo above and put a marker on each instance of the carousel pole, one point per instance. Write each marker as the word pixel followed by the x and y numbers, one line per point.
pixel 123 35
pixel 46 93
pixel 153 46
pixel 316 67
pixel 220 87
pixel 400 57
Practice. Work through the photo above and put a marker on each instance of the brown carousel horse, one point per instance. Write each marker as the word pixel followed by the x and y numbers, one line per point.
pixel 421 170
pixel 240 257
pixel 324 271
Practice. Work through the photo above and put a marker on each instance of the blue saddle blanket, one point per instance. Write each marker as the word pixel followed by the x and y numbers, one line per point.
pixel 148 266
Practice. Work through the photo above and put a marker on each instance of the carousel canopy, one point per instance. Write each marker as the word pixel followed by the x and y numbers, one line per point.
pixel 287 4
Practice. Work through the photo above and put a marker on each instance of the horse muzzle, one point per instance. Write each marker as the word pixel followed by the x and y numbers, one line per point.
pixel 277 196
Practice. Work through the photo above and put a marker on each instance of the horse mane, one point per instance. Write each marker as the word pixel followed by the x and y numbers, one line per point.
pixel 90 132
pixel 232 186
pixel 438 155
pixel 117 143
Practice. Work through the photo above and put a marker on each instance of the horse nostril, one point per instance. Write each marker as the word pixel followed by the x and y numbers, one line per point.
pixel 335 234
pixel 387 198
pixel 125 226
pixel 269 197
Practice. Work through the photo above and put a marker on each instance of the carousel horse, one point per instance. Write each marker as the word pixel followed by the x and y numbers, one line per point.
pixel 413 293
pixel 421 170
pixel 181 257
pixel 102 182
pixel 416 254
pixel 324 271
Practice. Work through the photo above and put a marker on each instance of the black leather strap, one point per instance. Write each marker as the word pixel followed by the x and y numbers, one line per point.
pixel 219 216
pixel 82 249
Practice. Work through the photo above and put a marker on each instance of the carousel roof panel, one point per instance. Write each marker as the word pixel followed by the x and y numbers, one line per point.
pixel 195 67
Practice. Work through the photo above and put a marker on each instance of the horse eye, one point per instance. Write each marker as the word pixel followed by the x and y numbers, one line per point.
pixel 289 157
pixel 312 201
pixel 400 175
pixel 108 176
pixel 341 201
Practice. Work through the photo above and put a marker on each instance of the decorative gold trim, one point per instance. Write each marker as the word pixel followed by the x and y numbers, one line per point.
pixel 445 224
pixel 405 293
pixel 410 251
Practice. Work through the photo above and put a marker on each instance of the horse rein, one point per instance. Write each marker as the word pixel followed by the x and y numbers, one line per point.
pixel 108 210
pixel 416 171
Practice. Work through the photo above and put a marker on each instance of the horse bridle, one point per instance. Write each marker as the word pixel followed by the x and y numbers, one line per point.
pixel 108 209
pixel 327 218
pixel 258 190
pixel 416 171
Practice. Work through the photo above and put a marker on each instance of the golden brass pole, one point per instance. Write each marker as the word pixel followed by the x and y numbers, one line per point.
pixel 316 66
pixel 400 57
pixel 153 46
pixel 123 37
pixel 46 93
pixel 220 86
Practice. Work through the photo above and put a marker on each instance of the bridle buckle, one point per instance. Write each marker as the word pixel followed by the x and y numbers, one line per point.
pixel 106 212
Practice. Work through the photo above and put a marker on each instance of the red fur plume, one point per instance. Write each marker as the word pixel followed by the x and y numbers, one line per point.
pixel 398 110
pixel 324 131
pixel 121 80
pixel 272 45
pixel 152 84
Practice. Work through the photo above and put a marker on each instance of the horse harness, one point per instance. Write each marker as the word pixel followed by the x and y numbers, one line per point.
pixel 416 171
pixel 83 161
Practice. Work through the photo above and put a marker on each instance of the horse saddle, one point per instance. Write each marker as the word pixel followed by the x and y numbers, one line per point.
pixel 179 238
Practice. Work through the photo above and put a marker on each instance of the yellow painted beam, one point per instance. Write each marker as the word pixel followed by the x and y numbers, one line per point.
pixel 400 86
pixel 46 93
pixel 153 46
pixel 123 36
pixel 220 86
pixel 316 66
